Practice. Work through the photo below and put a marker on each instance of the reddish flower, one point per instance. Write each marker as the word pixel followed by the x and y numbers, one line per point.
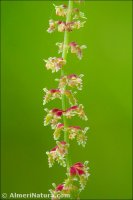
pixel 79 164
pixel 57 147
pixel 72 108
pixel 72 76
pixel 55 64
pixel 51 94
pixel 60 187
pixel 63 142
pixel 54 110
pixel 75 127
pixel 55 91
pixel 73 44
pixel 77 49
pixel 77 169
pixel 61 22
pixel 57 112
pixel 60 125
pixel 54 149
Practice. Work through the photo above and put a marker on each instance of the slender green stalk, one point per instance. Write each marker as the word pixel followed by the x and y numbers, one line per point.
pixel 64 56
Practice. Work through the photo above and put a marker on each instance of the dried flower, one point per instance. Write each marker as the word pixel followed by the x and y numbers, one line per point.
pixel 55 64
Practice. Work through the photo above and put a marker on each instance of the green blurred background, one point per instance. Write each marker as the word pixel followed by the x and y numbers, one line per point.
pixel 106 96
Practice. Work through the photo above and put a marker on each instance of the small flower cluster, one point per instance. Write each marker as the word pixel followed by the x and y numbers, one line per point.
pixel 54 115
pixel 51 94
pixel 62 26
pixel 75 183
pixel 62 11
pixel 79 134
pixel 72 80
pixel 76 110
pixel 55 64
pixel 57 93
pixel 73 132
pixel 80 171
pixel 75 48
pixel 58 154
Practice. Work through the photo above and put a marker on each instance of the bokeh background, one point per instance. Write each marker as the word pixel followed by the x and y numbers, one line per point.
pixel 106 96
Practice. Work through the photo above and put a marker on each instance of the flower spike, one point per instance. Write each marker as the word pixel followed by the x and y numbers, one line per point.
pixel 77 174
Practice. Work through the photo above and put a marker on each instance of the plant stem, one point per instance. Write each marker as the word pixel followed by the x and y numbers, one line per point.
pixel 64 56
